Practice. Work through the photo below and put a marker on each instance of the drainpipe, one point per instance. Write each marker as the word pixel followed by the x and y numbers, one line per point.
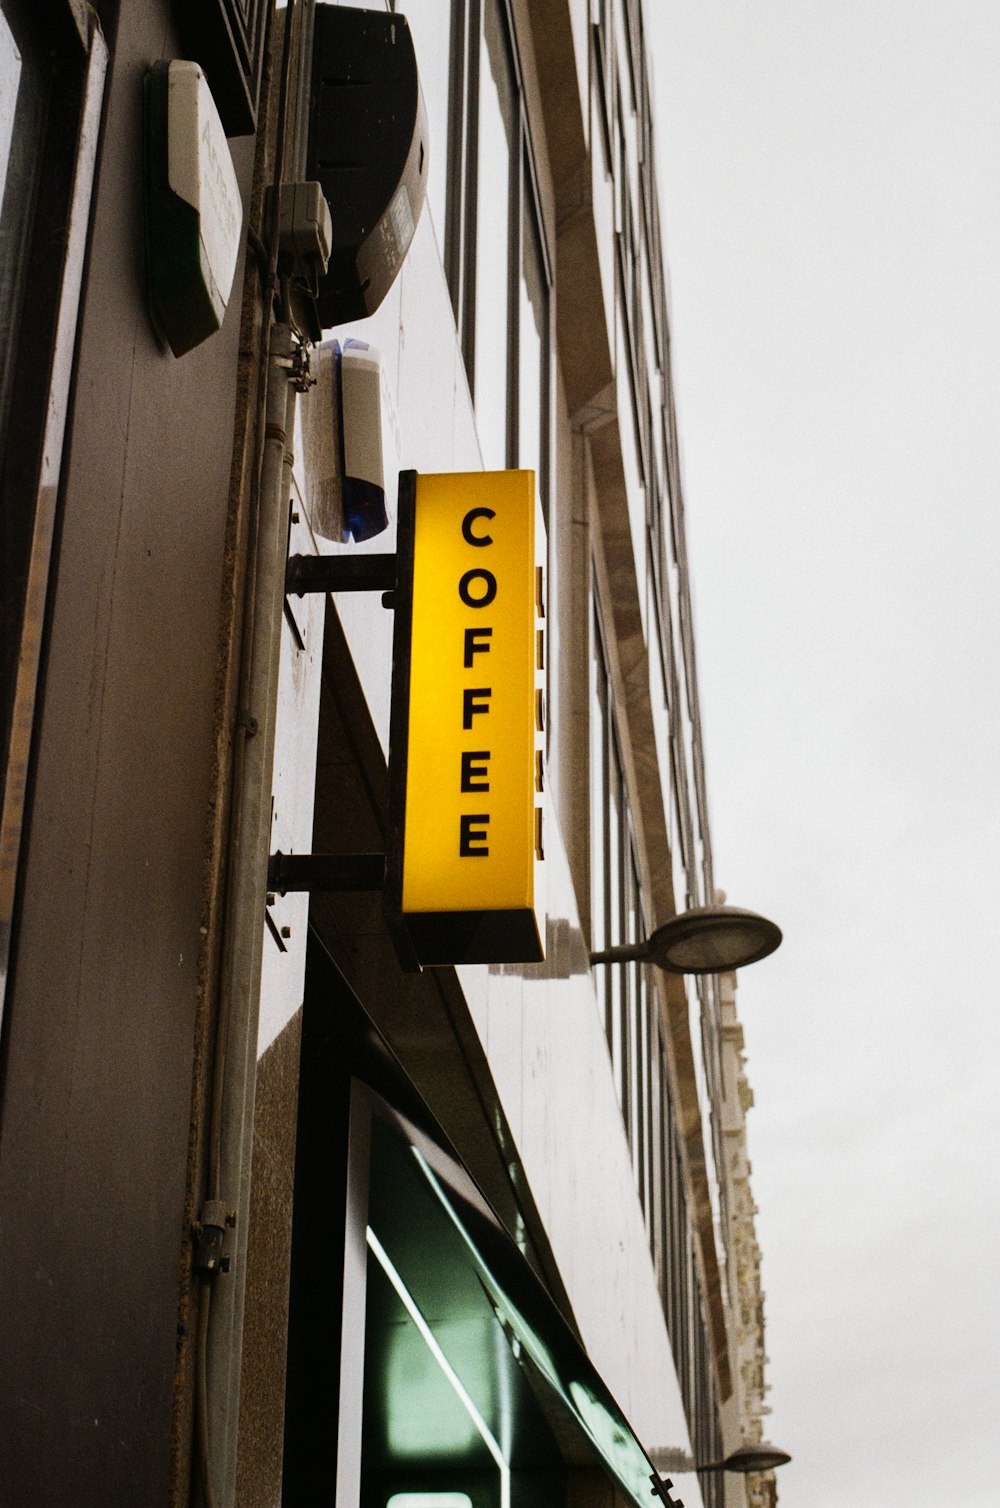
pixel 221 1238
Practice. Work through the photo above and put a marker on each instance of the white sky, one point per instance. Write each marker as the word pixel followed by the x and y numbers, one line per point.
pixel 830 176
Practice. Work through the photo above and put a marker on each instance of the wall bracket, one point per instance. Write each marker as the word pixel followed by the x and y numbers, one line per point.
pixel 339 573
pixel 325 873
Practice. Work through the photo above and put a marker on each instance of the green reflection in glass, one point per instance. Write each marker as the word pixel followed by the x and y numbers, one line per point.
pixel 429 1339
pixel 559 1357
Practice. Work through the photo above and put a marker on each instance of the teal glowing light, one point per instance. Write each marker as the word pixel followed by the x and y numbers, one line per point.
pixel 438 1500
pixel 554 1352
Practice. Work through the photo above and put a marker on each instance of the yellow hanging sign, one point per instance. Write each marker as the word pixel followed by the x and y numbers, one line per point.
pixel 468 716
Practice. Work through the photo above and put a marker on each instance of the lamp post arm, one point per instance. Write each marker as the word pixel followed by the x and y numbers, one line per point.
pixel 622 953
pixel 749 1458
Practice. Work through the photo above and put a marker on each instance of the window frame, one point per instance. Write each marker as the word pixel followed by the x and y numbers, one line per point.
pixel 31 447
pixel 524 202
pixel 618 914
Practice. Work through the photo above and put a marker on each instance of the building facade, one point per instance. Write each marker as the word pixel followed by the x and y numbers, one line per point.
pixel 284 1220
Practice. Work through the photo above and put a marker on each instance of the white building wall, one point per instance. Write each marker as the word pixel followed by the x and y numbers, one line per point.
pixel 541 1027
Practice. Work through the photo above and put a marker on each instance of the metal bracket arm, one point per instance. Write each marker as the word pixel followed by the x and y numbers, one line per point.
pixel 321 872
pixel 340 573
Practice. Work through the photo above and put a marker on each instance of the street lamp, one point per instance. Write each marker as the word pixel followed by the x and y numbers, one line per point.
pixel 751 1458
pixel 704 940
pixel 762 1457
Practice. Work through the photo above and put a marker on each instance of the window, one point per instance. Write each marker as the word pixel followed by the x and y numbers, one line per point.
pixel 25 82
pixel 639 1063
pixel 51 84
pixel 617 912
pixel 495 245
pixel 392 1330
pixel 24 86
pixel 533 349
pixel 431 27
pixel 604 64
pixel 495 256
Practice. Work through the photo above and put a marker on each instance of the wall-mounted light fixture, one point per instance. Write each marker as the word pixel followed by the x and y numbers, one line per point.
pixel 368 147
pixel 704 940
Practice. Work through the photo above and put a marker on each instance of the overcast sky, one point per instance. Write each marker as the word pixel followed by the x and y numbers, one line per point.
pixel 830 176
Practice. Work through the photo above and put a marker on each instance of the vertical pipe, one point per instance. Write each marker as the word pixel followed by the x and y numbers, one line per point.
pixel 236 1064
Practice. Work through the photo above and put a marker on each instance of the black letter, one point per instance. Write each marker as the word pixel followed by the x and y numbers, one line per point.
pixel 467 521
pixel 475 775
pixel 473 843
pixel 487 597
pixel 471 647
pixel 470 706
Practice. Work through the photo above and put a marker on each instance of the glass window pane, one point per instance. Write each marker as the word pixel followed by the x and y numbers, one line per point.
pixel 615 873
pixel 616 973
pixel 25 76
pixel 430 26
pixel 10 74
pixel 598 791
pixel 493 231
pixel 23 90
pixel 532 412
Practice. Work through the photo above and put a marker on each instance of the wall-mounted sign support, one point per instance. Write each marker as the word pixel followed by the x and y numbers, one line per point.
pixel 340 573
pixel 462 875
pixel 326 872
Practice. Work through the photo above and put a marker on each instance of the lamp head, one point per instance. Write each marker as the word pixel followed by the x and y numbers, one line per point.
pixel 761 1457
pixel 712 940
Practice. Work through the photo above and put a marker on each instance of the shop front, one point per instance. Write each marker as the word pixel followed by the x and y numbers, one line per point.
pixel 429 1367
